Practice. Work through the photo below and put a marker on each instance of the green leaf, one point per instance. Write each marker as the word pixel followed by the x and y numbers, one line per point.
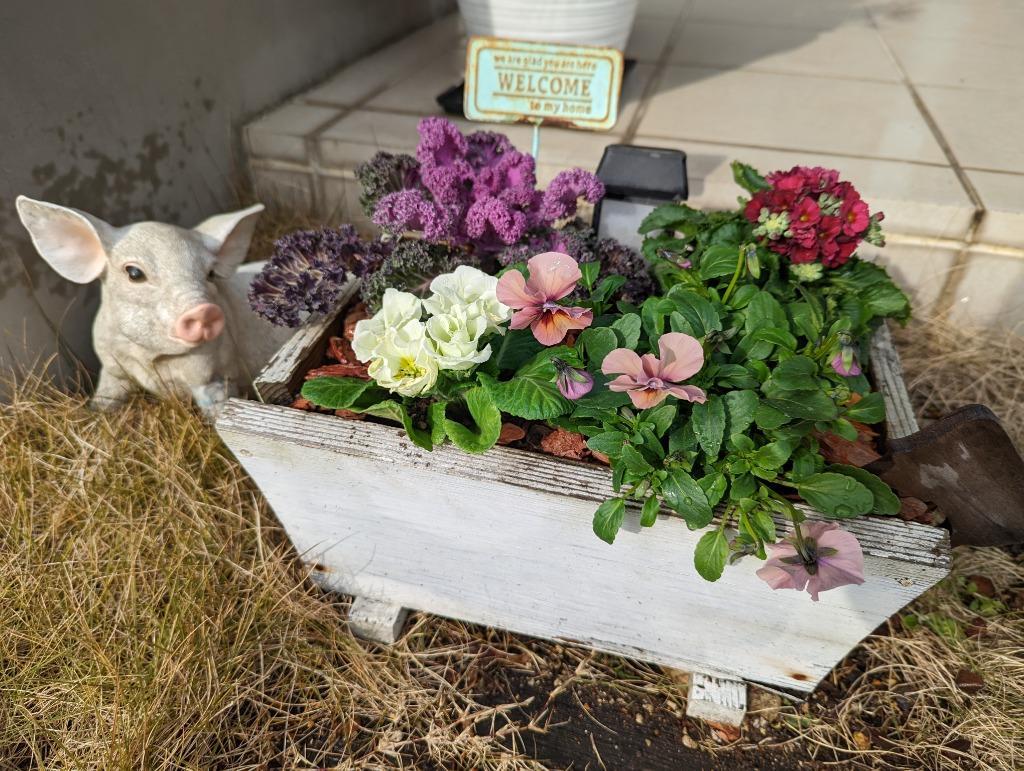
pixel 710 555
pixel 740 407
pixel 798 373
pixel 837 495
pixel 649 514
pixel 709 425
pixel 714 486
pixel 601 397
pixel 803 320
pixel 634 461
pixel 742 486
pixel 684 496
pixel 609 443
pixel 608 519
pixel 531 393
pixel 653 313
pixel 763 525
pixel 805 464
pixel 487 417
pixel 683 439
pixel 589 271
pixel 748 178
pixel 670 215
pixel 762 311
pixel 598 342
pixel 717 261
pixel 335 393
pixel 608 286
pixel 773 455
pixel 661 416
pixel 698 311
pixel 806 405
pixel 870 409
pixel 886 501
pixel 628 329
pixel 434 434
pixel 767 417
pixel 845 429
pixel 517 347
pixel 428 438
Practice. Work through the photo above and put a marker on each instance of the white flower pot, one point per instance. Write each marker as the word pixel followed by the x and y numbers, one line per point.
pixel 504 539
pixel 585 22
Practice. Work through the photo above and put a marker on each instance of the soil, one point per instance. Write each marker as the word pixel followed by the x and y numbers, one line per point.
pixel 567 722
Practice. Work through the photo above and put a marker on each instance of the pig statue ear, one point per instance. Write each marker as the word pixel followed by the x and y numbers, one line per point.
pixel 228 237
pixel 72 242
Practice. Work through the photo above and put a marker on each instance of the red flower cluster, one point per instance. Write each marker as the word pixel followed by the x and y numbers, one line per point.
pixel 808 215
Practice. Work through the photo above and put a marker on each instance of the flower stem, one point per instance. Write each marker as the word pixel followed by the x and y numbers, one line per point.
pixel 740 261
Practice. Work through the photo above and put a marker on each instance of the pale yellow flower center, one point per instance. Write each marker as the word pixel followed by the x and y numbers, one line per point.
pixel 407 367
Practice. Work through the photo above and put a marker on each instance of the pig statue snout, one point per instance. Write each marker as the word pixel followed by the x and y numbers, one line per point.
pixel 201 324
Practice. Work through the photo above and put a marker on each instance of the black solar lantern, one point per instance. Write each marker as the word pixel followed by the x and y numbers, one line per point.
pixel 636 181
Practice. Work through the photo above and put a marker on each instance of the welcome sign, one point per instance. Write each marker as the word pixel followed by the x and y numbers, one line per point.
pixel 510 81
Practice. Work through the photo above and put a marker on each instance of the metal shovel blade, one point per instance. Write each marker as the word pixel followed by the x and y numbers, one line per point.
pixel 967 466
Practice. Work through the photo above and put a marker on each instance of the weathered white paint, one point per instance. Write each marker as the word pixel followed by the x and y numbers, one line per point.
pixel 282 376
pixel 504 539
pixel 719 699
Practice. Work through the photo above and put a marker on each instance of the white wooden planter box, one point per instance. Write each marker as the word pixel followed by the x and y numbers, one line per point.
pixel 504 539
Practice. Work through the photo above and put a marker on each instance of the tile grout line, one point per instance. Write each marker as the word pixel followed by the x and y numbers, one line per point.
pixel 947 295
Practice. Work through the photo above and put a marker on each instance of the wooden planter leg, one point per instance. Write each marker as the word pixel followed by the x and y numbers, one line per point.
pixel 376 620
pixel 718 699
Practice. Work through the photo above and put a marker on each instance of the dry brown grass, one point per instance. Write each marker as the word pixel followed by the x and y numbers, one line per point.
pixel 153 616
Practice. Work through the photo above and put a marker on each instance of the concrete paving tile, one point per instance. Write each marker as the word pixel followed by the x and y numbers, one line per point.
pixel 282 133
pixel 799 112
pixel 991 292
pixel 1003 197
pixel 982 127
pixel 846 51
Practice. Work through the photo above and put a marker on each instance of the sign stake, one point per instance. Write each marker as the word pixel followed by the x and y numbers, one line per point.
pixel 536 142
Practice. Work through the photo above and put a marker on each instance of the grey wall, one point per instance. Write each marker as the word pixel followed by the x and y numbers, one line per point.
pixel 130 109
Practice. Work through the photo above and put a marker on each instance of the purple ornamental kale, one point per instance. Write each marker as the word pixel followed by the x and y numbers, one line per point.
pixel 493 223
pixel 407 210
pixel 574 239
pixel 410 267
pixel 617 259
pixel 307 271
pixel 561 197
pixel 441 144
pixel 385 173
pixel 484 148
pixel 513 170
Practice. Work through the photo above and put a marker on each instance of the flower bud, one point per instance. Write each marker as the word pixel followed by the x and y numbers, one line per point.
pixel 572 383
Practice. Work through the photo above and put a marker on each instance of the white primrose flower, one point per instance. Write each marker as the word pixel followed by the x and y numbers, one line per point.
pixel 404 360
pixel 397 309
pixel 456 337
pixel 472 290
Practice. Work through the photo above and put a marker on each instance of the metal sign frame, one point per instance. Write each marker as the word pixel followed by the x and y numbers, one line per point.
pixel 518 81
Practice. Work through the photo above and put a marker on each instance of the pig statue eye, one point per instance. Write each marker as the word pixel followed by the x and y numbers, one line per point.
pixel 135 274
pixel 211 275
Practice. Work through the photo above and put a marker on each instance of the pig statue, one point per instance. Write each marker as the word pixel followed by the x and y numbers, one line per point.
pixel 173 316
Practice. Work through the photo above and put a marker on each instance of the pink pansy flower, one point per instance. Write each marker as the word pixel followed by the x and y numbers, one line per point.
pixel 649 380
pixel 832 557
pixel 535 301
